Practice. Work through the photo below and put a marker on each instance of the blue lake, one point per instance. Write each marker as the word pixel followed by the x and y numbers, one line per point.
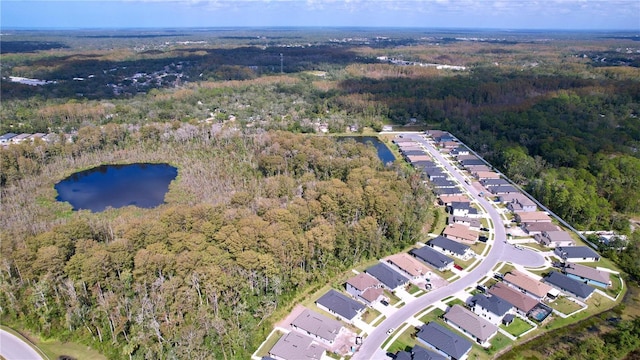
pixel 384 154
pixel 141 185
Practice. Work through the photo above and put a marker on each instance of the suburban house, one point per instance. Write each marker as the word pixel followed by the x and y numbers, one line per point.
pixel 576 254
pixel 419 353
pixel 432 257
pixel 487 183
pixel 492 308
pixel 390 278
pixel 295 346
pixel 448 145
pixel 6 138
pixel 572 286
pixel 20 138
pixel 462 209
pixel 503 189
pixel 587 275
pixel 444 341
pixel 519 203
pixel 408 265
pixel 527 284
pixel 472 223
pixel 460 232
pixel 344 307
pixel 424 164
pixel 538 227
pixel 554 238
pixel 532 217
pixel 477 328
pixel 476 161
pixel 466 157
pixel 443 182
pixel 364 287
pixel 317 326
pixel 450 247
pixel 522 302
pixel 481 175
pixel 475 168
pixel 450 199
pixel 460 150
pixel 449 191
pixel 432 173
pixel 412 158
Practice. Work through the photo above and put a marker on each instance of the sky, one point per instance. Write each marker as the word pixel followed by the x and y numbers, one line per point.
pixel 477 14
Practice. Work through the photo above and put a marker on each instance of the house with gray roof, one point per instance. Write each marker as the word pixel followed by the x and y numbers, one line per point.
pixel 588 275
pixel 340 305
pixel 449 191
pixel 295 346
pixel 472 223
pixel 433 257
pixel 451 247
pixel 477 328
pixel 419 353
pixel 444 341
pixel 554 239
pixel 432 173
pixel 487 183
pixel 538 227
pixel 6 138
pixel 572 286
pixel 460 150
pixel 390 278
pixel 492 308
pixel 476 161
pixel 518 202
pixel 443 183
pixel 576 254
pixel 317 326
pixel 503 189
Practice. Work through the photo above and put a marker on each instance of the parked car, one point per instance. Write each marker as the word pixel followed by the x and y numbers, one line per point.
pixel 484 229
pixel 457 266
pixel 384 302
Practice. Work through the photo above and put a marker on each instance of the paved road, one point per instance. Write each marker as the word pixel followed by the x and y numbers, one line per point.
pixel 370 348
pixel 13 348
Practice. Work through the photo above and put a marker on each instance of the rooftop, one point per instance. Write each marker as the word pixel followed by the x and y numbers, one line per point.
pixel 527 283
pixel 473 324
pixel 340 304
pixel 317 324
pixel 448 244
pixel 444 340
pixel 363 281
pixel 569 285
pixel 389 277
pixel 295 346
pixel 516 298
pixel 587 272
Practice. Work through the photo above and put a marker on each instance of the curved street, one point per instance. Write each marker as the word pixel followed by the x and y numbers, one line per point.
pixel 500 251
pixel 13 348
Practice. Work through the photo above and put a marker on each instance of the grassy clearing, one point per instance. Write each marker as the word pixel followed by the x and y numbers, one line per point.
pixel 564 305
pixel 412 289
pixel 498 343
pixel 268 344
pixel 478 247
pixel 440 220
pixel 405 341
pixel 616 285
pixel 517 327
pixel 370 315
pixel 432 315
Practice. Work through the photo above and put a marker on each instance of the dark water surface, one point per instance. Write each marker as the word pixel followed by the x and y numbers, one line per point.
pixel 141 185
pixel 384 154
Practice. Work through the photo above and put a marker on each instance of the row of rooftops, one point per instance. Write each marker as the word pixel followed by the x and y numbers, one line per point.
pixel 11 138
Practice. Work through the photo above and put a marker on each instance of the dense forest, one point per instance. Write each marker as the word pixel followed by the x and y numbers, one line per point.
pixel 262 210
pixel 253 220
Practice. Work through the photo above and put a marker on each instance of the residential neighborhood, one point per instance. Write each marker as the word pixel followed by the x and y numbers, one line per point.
pixel 489 276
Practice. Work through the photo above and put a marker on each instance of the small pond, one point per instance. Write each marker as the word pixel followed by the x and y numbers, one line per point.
pixel 384 154
pixel 141 185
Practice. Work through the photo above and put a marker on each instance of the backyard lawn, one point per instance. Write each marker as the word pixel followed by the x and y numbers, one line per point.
pixel 404 341
pixel 564 305
pixel 268 344
pixel 517 327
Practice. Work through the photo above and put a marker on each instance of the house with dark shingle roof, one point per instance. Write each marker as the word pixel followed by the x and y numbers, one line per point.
pixel 390 278
pixel 444 341
pixel 554 238
pixel 419 353
pixel 433 257
pixel 450 247
pixel 477 328
pixel 340 305
pixel 317 326
pixel 576 254
pixel 566 284
pixel 492 308
pixel 295 346
pixel 6 138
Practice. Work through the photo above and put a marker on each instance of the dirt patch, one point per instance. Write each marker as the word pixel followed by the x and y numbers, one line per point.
pixel 286 322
